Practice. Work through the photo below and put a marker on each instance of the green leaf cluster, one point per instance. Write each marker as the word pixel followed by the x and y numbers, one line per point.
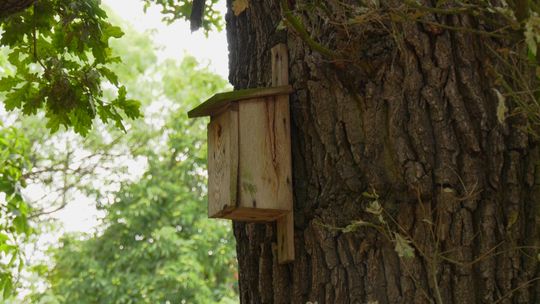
pixel 14 225
pixel 60 56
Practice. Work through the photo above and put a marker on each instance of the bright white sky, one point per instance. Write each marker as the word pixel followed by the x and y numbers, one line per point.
pixel 176 40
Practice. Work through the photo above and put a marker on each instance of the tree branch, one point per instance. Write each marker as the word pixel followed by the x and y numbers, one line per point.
pixel 11 7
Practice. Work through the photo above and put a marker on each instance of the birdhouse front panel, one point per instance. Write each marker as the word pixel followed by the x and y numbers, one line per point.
pixel 265 156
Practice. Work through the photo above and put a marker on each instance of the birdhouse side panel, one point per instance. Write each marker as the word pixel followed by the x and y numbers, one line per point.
pixel 265 154
pixel 222 163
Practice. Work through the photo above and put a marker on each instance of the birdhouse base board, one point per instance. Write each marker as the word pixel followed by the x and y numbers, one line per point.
pixel 250 214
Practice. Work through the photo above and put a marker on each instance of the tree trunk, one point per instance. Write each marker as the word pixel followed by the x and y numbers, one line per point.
pixel 411 115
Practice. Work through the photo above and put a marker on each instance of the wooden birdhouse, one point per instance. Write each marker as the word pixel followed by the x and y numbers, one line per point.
pixel 249 154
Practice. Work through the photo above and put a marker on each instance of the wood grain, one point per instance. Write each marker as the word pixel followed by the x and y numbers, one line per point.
pixel 253 214
pixel 264 155
pixel 285 238
pixel 221 101
pixel 222 163
pixel 285 225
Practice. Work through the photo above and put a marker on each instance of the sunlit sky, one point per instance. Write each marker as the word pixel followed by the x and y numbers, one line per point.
pixel 175 41
pixel 176 38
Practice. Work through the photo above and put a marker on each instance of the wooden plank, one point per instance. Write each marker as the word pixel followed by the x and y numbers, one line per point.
pixel 220 101
pixel 285 238
pixel 222 163
pixel 254 215
pixel 280 65
pixel 284 225
pixel 264 169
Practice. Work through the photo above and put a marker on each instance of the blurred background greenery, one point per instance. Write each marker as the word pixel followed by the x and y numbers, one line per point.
pixel 153 242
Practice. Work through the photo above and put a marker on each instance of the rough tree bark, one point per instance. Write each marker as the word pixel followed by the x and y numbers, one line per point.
pixel 421 129
pixel 10 7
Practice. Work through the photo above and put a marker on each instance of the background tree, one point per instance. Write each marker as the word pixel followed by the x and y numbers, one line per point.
pixel 61 165
pixel 157 223
pixel 57 59
pixel 14 228
pixel 158 245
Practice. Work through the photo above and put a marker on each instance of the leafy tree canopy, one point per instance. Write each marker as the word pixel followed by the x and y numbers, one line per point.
pixel 60 55
pixel 158 244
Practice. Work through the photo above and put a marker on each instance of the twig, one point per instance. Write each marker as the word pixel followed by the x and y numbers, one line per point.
pixel 515 289
pixel 36 57
pixel 299 28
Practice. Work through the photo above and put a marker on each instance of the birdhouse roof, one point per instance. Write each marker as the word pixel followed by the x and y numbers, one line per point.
pixel 221 101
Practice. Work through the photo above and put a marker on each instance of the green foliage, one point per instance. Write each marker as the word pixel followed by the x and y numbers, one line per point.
pixel 59 65
pixel 14 226
pixel 65 165
pixel 157 247
pixel 189 257
pixel 61 57
pixel 158 244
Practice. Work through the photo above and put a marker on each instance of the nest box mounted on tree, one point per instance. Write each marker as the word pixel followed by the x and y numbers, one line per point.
pixel 249 154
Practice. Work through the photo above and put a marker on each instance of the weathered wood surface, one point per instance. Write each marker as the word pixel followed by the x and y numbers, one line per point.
pixel 285 238
pixel 222 163
pixel 264 166
pixel 253 214
pixel 221 101
pixel 285 225
pixel 249 161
